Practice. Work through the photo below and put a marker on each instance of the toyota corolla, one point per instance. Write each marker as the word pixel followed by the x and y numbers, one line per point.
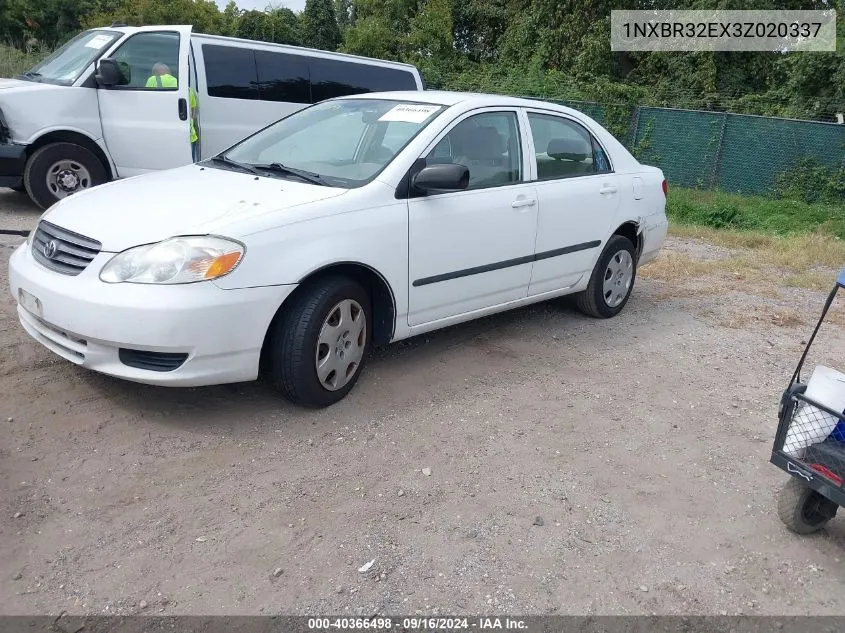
pixel 353 222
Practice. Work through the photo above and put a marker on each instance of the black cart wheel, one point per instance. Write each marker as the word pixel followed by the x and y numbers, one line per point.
pixel 802 509
pixel 320 342
pixel 59 170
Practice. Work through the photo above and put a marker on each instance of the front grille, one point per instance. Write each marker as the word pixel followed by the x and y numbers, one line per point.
pixel 151 361
pixel 61 250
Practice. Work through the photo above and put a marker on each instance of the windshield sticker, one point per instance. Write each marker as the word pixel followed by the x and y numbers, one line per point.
pixel 98 41
pixel 409 113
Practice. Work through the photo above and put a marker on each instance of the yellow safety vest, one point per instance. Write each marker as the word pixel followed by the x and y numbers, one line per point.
pixel 162 81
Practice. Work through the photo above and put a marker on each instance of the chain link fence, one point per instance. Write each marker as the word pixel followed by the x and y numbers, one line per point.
pixel 737 153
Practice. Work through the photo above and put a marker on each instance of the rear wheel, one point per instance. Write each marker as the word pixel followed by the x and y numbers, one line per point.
pixel 612 280
pixel 59 170
pixel 319 344
pixel 802 509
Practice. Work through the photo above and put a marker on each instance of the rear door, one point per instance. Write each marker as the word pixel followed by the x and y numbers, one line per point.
pixel 147 128
pixel 578 196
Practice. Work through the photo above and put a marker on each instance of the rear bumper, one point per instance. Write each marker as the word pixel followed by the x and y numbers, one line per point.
pixel 12 161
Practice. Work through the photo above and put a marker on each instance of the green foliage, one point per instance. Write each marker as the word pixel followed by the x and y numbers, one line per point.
pixel 721 210
pixel 279 25
pixel 811 181
pixel 319 25
pixel 14 61
pixel 555 49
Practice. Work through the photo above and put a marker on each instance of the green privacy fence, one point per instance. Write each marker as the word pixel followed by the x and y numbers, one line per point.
pixel 737 153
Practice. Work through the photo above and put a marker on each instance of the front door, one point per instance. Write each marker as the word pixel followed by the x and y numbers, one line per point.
pixel 145 119
pixel 473 249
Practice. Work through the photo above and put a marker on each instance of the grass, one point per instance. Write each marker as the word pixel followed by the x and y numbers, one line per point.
pixel 13 61
pixel 720 210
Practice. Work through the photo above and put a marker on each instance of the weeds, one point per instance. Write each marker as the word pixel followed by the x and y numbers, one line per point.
pixel 720 210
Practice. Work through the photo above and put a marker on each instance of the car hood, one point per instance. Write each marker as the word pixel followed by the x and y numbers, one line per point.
pixel 192 200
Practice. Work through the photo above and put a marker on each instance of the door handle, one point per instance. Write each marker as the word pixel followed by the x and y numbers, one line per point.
pixel 607 189
pixel 183 110
pixel 518 204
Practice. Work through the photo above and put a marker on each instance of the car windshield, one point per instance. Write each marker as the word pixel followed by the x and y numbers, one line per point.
pixel 66 65
pixel 343 143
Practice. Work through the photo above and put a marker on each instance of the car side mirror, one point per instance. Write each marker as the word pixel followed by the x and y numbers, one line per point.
pixel 108 73
pixel 441 178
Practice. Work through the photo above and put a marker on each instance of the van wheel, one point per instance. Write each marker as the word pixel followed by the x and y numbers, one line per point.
pixel 59 170
pixel 612 280
pixel 320 342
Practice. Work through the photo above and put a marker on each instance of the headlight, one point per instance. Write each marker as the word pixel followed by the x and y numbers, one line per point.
pixel 179 260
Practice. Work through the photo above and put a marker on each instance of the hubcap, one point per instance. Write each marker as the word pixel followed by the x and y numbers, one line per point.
pixel 66 177
pixel 340 346
pixel 618 278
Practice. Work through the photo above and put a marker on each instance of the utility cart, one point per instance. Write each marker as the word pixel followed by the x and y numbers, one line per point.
pixel 810 441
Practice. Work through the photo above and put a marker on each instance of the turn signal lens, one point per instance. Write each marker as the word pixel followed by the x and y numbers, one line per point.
pixel 222 265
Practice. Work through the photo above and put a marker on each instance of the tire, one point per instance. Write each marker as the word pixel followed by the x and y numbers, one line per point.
pixel 802 509
pixel 296 348
pixel 69 167
pixel 592 301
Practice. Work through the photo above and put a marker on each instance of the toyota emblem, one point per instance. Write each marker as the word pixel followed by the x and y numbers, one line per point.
pixel 50 249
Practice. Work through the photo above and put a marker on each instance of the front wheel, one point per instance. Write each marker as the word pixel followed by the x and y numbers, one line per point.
pixel 59 170
pixel 612 280
pixel 320 342
pixel 802 509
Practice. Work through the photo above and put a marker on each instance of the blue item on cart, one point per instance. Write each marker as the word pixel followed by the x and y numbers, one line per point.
pixel 838 432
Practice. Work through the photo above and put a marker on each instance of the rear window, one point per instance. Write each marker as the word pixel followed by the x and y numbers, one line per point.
pixel 243 73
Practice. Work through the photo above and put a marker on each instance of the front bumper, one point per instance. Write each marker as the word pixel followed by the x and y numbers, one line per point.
pixel 12 161
pixel 87 322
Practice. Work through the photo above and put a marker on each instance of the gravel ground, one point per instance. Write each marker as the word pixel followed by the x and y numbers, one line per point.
pixel 532 462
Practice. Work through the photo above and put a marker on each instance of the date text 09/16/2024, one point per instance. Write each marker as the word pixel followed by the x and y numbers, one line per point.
pixel 416 624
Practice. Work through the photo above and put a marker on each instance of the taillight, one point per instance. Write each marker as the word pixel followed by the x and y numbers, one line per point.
pixel 665 188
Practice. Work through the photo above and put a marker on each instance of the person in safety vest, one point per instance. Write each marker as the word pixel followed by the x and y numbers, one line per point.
pixel 161 78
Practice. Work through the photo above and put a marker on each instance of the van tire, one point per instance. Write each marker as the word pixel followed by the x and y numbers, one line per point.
pixel 80 166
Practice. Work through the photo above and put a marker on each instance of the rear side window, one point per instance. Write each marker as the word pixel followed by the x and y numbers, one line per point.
pixel 330 78
pixel 242 73
pixel 562 148
pixel 230 72
pixel 282 77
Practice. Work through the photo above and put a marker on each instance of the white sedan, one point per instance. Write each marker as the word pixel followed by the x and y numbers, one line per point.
pixel 357 221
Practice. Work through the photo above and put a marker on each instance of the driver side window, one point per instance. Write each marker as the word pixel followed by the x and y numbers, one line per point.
pixel 488 145
pixel 149 61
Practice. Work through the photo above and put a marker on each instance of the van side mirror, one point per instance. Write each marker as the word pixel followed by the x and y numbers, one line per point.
pixel 441 178
pixel 108 73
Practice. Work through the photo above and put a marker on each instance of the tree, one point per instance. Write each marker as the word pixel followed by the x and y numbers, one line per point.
pixel 279 25
pixel 319 25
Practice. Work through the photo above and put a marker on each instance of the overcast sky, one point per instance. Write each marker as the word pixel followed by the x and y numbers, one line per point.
pixel 296 5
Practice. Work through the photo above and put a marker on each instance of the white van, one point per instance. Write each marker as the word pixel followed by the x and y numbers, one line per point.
pixel 119 101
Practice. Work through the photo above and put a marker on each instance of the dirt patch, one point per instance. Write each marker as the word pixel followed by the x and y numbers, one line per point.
pixel 642 442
